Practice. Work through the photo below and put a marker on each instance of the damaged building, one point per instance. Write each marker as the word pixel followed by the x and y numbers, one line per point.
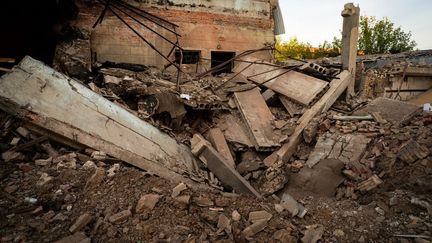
pixel 171 121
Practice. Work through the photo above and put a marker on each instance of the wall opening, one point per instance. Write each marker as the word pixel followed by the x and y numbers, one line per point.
pixel 218 57
pixel 33 27
pixel 189 56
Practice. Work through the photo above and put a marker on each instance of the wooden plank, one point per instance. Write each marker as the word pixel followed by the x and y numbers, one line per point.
pixel 337 87
pixel 50 100
pixel 297 86
pixel 220 167
pixel 257 116
pixel 217 139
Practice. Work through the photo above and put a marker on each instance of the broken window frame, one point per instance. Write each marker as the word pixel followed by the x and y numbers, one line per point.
pixel 225 67
pixel 187 59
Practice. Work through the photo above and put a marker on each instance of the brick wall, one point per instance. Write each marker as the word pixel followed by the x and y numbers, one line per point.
pixel 201 30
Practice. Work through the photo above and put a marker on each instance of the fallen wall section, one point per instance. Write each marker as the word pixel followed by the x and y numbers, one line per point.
pixel 52 101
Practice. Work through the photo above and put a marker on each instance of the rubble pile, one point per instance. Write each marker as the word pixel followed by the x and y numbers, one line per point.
pixel 349 164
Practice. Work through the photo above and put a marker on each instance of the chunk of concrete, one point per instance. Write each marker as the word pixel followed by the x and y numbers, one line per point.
pixel 259 215
pixel 96 179
pixel 217 164
pixel 397 112
pixel 217 139
pixel 78 237
pixel 313 233
pixel 70 113
pixel 43 162
pixel 254 228
pixel 320 181
pixel 235 215
pixel 121 216
pixel 44 179
pixel 347 148
pixel 81 222
pixel 147 202
pixel 178 189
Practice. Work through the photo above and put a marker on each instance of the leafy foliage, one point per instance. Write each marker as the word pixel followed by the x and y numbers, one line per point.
pixel 375 36
pixel 381 36
pixel 303 50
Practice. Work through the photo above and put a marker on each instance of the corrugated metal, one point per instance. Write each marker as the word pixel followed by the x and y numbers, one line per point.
pixel 278 20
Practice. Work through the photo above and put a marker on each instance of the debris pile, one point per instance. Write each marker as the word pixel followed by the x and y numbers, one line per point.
pixel 352 153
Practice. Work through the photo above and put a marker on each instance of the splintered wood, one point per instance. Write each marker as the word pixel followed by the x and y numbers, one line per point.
pixel 258 118
pixel 297 86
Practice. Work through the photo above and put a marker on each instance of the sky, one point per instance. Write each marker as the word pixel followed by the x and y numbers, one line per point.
pixel 315 21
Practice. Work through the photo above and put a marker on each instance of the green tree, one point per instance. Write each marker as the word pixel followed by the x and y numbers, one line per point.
pixel 381 36
pixel 293 48
pixel 375 36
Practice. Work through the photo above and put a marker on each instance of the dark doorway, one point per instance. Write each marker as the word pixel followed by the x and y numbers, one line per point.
pixel 31 27
pixel 218 57
pixel 189 56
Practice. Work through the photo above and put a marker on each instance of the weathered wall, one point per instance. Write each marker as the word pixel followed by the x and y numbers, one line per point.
pixel 230 25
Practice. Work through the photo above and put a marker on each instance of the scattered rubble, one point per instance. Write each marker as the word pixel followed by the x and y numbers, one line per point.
pixel 267 152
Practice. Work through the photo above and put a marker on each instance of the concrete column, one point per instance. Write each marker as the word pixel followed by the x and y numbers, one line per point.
pixel 350 31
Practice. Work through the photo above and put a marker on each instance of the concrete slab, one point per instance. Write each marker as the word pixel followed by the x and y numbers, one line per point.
pixel 394 111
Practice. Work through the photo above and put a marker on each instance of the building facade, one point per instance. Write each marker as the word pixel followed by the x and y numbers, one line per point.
pixel 211 31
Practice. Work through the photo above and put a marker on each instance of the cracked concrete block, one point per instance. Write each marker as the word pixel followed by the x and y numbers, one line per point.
pixel 347 148
pixel 54 104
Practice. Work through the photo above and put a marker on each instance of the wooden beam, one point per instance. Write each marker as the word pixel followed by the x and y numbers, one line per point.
pixel 52 101
pixel 350 32
pixel 337 87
